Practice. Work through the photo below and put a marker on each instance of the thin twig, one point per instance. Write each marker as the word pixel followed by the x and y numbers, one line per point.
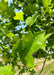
pixel 43 65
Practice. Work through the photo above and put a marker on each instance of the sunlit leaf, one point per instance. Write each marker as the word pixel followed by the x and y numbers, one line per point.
pixel 19 16
pixel 7 70
pixel 29 45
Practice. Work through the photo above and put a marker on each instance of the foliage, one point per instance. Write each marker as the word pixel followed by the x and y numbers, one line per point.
pixel 7 70
pixel 28 31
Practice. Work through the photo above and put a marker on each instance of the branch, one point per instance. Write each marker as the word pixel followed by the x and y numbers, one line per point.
pixel 43 65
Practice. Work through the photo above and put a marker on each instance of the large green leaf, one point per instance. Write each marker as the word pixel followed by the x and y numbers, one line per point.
pixel 37 41
pixel 29 44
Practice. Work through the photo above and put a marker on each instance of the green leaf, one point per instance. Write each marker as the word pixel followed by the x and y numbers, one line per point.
pixel 36 42
pixel 19 16
pixel 31 20
pixel 6 70
pixel 10 35
pixel 30 44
